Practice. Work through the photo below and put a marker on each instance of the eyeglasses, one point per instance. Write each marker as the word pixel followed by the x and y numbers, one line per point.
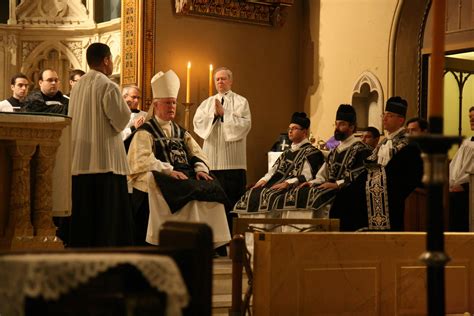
pixel 389 115
pixel 51 80
pixel 294 128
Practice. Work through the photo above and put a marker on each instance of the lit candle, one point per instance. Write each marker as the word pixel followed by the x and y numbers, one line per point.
pixel 188 82
pixel 435 107
pixel 210 79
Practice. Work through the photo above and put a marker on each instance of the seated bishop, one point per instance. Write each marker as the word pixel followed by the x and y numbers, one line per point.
pixel 344 164
pixel 296 165
pixel 169 173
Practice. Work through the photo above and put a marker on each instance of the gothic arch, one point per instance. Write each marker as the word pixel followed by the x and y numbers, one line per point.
pixel 367 99
pixel 50 54
pixel 406 44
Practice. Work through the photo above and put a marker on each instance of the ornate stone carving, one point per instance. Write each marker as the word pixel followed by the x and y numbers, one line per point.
pixel 76 48
pixel 19 223
pixel 43 203
pixel 7 132
pixel 51 12
pixel 112 39
pixel 27 47
pixel 248 12
pixel 31 142
pixel 148 52
pixel 12 48
pixel 130 29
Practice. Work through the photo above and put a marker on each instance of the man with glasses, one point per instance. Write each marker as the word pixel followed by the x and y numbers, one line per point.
pixel 131 95
pixel 344 164
pixel 394 169
pixel 48 98
pixel 296 165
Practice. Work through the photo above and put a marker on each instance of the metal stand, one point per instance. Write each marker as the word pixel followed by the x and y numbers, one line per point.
pixel 435 148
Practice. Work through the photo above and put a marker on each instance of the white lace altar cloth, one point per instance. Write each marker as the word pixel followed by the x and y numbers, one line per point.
pixel 50 275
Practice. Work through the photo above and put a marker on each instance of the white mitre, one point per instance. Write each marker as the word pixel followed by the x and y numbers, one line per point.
pixel 165 85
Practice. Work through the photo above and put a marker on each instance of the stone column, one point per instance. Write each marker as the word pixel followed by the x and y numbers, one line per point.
pixel 19 222
pixel 12 13
pixel 42 213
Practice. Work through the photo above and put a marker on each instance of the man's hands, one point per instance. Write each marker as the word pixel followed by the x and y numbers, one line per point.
pixel 201 175
pixel 178 175
pixel 219 108
pixel 328 185
pixel 325 185
pixel 456 188
pixel 259 184
pixel 139 122
pixel 280 186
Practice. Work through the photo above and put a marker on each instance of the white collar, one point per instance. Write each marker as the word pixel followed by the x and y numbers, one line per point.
pixel 295 147
pixel 346 143
pixel 162 122
pixel 226 94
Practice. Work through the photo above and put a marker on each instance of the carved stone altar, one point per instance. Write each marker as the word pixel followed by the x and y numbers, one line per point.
pixel 28 146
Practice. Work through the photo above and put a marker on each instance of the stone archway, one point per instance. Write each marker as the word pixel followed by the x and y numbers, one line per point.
pixel 367 99
pixel 53 55
pixel 407 45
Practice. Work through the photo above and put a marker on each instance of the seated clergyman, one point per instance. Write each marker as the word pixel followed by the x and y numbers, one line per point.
pixel 375 201
pixel 344 164
pixel 169 173
pixel 296 165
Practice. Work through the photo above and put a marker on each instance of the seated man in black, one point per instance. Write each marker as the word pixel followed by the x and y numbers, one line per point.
pixel 48 99
pixel 296 165
pixel 169 174
pixel 344 164
pixel 376 200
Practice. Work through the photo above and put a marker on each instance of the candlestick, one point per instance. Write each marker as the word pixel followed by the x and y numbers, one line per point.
pixel 187 106
pixel 188 82
pixel 210 79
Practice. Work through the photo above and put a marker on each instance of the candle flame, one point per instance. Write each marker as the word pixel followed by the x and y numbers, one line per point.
pixel 189 64
pixel 210 67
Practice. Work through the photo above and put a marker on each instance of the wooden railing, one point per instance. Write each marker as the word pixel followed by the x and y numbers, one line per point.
pixel 241 258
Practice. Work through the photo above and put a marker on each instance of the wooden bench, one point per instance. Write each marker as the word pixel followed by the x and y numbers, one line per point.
pixel 243 225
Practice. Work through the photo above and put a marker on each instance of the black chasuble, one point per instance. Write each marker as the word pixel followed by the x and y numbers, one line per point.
pixel 346 164
pixel 173 150
pixel 289 165
pixel 376 201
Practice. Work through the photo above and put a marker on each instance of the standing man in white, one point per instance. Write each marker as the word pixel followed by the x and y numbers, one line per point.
pixel 223 121
pixel 101 212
